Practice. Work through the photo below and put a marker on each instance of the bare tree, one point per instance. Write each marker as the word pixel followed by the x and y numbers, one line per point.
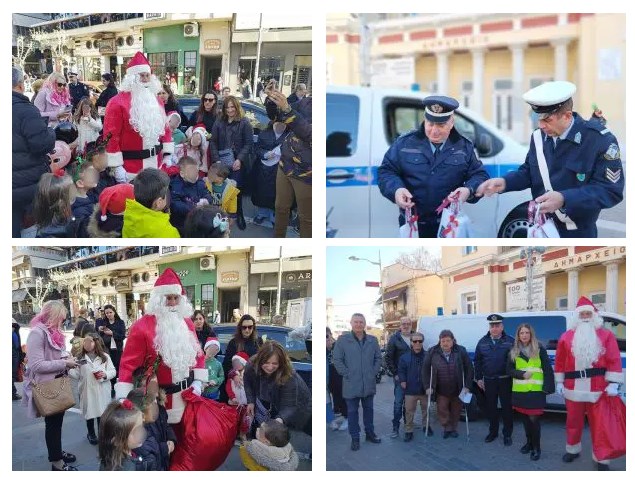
pixel 23 48
pixel 57 41
pixel 73 281
pixel 420 259
pixel 42 290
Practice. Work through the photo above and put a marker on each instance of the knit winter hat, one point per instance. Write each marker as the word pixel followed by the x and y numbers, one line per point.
pixel 113 199
pixel 176 114
pixel 211 342
pixel 242 357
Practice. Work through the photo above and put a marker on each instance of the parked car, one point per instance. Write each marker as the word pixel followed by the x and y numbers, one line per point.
pixel 296 349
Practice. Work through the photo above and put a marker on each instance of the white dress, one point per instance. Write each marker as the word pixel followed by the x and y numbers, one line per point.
pixel 87 131
pixel 94 394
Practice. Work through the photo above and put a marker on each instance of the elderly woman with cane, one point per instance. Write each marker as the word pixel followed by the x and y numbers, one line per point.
pixel 447 372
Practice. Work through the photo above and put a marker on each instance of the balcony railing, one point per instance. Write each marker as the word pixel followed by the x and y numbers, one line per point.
pixel 116 254
pixel 84 21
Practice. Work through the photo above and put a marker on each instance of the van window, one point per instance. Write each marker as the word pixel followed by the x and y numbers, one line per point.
pixel 618 328
pixel 342 122
pixel 548 328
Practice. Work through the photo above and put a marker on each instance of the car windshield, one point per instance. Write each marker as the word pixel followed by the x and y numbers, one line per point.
pixel 295 348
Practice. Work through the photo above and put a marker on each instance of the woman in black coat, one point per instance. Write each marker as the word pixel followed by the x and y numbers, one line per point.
pixel 109 93
pixel 527 400
pixel 202 328
pixel 112 330
pixel 207 111
pixel 171 104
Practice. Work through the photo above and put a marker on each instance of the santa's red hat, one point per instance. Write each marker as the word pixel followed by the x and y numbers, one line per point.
pixel 175 114
pixel 138 64
pixel 584 304
pixel 210 342
pixel 200 128
pixel 113 199
pixel 241 357
pixel 169 283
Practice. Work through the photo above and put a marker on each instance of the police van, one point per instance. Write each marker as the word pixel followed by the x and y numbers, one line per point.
pixel 548 325
pixel 362 123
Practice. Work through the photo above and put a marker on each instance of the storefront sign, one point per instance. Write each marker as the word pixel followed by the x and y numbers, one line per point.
pixel 107 46
pixel 169 250
pixel 593 256
pixel 229 277
pixel 293 277
pixel 213 44
pixel 517 295
pixel 123 283
pixel 153 16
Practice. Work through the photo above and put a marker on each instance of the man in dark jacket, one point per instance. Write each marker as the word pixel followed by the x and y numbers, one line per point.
pixel 17 358
pixel 357 358
pixel 398 345
pixel 32 140
pixel 78 90
pixel 410 378
pixel 490 369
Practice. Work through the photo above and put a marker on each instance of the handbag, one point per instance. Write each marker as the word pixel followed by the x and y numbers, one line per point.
pixel 410 229
pixel 53 397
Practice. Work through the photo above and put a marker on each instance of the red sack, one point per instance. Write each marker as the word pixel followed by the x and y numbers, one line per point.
pixel 609 435
pixel 205 434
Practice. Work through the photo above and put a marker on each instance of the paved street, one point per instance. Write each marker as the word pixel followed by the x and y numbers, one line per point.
pixel 252 230
pixel 436 453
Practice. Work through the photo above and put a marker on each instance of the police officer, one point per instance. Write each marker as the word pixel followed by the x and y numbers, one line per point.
pixel 490 372
pixel 583 160
pixel 78 90
pixel 424 167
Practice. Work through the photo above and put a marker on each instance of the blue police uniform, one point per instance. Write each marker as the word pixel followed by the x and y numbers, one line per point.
pixel 410 163
pixel 585 168
pixel 77 91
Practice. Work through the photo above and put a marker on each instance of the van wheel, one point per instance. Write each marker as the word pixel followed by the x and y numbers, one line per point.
pixel 516 224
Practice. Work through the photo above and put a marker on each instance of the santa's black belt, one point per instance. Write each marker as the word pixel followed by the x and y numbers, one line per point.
pixel 143 154
pixel 585 373
pixel 178 387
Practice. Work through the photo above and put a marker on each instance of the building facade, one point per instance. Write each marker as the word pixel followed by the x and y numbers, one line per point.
pixel 488 60
pixel 493 279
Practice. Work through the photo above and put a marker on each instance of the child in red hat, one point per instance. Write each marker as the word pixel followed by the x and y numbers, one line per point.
pixel 235 388
pixel 107 220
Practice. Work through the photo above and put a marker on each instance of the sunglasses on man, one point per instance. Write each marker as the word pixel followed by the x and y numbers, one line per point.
pixel 417 341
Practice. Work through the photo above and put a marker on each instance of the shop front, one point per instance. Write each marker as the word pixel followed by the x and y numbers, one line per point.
pixel 232 272
pixel 214 55
pixel 294 286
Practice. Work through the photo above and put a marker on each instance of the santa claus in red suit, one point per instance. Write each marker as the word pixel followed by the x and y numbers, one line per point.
pixel 136 119
pixel 587 364
pixel 168 332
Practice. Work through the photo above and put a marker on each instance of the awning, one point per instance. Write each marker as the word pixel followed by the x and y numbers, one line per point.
pixel 41 262
pixel 394 293
pixel 18 295
pixel 18 260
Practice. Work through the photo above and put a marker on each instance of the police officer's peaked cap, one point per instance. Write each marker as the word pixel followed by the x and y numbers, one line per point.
pixel 494 318
pixel 439 109
pixel 547 98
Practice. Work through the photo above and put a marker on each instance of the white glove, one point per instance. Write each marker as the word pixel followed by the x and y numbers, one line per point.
pixel 560 388
pixel 612 389
pixel 120 175
pixel 196 387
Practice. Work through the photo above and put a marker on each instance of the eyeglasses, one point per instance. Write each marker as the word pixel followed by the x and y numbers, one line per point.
pixel 61 84
pixel 417 341
pixel 209 100
pixel 247 327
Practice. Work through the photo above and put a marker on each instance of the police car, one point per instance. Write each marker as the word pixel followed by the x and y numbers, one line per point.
pixel 548 325
pixel 361 124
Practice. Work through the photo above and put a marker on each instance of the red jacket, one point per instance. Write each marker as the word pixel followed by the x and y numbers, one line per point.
pixel 125 138
pixel 588 389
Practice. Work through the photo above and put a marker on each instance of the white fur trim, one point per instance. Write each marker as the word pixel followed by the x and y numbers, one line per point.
pixel 136 69
pixel 581 396
pixel 201 374
pixel 239 358
pixel 168 147
pixel 585 308
pixel 122 389
pixel 559 377
pixel 175 413
pixel 614 377
pixel 574 449
pixel 151 162
pixel 167 290
pixel 595 459
pixel 115 159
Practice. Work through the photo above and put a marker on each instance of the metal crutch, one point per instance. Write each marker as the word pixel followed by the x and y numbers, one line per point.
pixel 429 399
pixel 467 422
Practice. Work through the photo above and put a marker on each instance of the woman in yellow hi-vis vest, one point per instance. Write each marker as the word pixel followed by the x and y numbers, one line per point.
pixel 533 379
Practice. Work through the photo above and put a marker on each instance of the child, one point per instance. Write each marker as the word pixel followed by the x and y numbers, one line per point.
pixel 236 392
pixel 224 191
pixel 52 206
pixel 107 218
pixel 271 450
pixel 85 177
pixel 94 382
pixel 196 147
pixel 187 192
pixel 88 123
pixel 146 216
pixel 174 120
pixel 121 430
pixel 206 222
pixel 96 154
pixel 214 367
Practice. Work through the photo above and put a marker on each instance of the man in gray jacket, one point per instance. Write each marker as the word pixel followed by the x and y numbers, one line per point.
pixel 357 359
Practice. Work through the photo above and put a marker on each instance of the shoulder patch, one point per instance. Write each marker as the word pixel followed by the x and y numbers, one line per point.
pixel 612 153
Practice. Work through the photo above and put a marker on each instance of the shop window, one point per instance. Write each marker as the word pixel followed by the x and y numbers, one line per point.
pixel 164 63
pixel 191 58
pixel 207 300
pixel 189 291
pixel 301 72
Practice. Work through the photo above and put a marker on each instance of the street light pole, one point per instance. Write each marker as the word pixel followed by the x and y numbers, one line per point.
pixel 279 281
pixel 257 72
pixel 381 292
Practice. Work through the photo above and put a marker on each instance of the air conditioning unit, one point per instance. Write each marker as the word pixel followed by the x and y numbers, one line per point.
pixel 190 29
pixel 208 263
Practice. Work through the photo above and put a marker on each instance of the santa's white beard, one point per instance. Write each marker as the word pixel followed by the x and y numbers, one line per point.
pixel 587 346
pixel 177 345
pixel 147 116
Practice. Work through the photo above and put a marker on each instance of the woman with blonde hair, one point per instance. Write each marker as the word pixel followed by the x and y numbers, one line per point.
pixel 54 99
pixel 47 357
pixel 533 379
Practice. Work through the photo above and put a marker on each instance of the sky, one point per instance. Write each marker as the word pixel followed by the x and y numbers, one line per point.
pixel 345 279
